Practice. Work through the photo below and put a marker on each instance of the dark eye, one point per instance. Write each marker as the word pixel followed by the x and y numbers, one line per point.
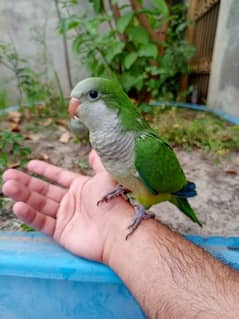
pixel 93 95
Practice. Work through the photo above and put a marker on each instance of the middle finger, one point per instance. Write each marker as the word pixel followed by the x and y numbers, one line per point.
pixel 35 184
pixel 20 192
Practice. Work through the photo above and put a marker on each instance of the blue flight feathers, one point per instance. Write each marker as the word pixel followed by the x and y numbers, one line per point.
pixel 188 190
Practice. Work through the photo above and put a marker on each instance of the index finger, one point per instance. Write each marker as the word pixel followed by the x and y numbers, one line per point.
pixel 35 184
pixel 52 172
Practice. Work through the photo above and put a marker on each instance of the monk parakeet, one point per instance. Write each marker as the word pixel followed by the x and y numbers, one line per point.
pixel 139 160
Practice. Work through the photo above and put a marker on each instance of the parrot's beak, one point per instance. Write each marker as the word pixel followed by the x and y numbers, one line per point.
pixel 73 107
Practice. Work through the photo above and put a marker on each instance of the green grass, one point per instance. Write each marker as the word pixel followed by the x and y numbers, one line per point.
pixel 190 129
pixel 4 103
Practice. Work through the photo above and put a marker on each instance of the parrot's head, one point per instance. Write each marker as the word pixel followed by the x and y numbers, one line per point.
pixel 96 101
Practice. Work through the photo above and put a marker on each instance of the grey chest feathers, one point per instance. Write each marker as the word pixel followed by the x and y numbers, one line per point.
pixel 115 148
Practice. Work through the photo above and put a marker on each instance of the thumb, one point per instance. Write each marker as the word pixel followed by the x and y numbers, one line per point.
pixel 95 162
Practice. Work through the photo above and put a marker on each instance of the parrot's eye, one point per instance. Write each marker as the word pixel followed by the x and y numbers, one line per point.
pixel 93 95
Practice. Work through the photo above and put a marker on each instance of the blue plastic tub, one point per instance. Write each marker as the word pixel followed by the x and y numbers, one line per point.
pixel 39 279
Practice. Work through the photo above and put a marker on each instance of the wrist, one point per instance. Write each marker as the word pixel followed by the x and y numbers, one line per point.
pixel 120 217
pixel 117 249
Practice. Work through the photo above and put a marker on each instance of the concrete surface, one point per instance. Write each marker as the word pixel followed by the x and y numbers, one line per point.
pixel 21 22
pixel 224 81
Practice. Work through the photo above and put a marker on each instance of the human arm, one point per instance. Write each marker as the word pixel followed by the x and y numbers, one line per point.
pixel 169 276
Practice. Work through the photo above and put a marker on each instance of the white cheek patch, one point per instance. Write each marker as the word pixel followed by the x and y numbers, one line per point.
pixel 97 116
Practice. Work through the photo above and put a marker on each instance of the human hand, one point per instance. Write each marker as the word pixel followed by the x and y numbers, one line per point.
pixel 67 210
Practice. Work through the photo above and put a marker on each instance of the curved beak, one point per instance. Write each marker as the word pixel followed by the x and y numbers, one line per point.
pixel 73 107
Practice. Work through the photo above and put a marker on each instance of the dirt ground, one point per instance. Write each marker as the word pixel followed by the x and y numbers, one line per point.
pixel 217 203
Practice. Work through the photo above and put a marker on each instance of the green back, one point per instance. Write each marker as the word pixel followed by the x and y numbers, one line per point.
pixel 157 164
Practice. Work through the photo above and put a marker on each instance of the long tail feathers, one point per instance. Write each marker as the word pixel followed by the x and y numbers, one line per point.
pixel 185 207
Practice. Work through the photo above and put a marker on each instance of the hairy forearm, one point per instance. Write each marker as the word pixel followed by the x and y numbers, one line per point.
pixel 169 276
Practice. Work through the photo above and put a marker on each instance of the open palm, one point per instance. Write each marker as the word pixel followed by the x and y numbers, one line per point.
pixel 65 210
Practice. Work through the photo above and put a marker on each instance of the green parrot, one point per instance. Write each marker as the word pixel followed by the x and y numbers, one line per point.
pixel 139 160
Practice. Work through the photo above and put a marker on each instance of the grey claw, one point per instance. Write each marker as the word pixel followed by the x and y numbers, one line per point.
pixel 140 214
pixel 119 191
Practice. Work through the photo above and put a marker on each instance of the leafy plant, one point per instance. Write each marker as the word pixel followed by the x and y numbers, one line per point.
pixel 12 151
pixel 47 65
pixel 28 82
pixel 142 47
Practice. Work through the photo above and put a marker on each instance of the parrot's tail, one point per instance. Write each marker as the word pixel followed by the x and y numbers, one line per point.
pixel 185 207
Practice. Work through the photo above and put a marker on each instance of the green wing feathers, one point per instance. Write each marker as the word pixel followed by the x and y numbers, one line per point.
pixel 157 164
pixel 160 171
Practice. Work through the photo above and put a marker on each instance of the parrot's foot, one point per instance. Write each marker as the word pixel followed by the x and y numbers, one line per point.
pixel 140 214
pixel 119 191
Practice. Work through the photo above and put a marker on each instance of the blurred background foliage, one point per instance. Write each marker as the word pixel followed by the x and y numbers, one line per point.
pixel 140 44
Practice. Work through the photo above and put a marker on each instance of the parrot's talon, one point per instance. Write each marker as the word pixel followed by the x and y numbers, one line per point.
pixel 140 214
pixel 148 215
pixel 119 191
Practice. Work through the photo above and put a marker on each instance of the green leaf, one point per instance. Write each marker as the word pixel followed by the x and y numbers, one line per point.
pixel 138 35
pixel 3 161
pixel 67 24
pixel 130 59
pixel 146 107
pixel 189 51
pixel 127 80
pixel 76 45
pixel 113 50
pixel 124 21
pixel 27 228
pixel 97 5
pixel 149 50
pixel 162 6
pixel 181 27
pixel 139 84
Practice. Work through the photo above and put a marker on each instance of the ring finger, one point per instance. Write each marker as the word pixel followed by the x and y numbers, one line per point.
pixel 20 192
